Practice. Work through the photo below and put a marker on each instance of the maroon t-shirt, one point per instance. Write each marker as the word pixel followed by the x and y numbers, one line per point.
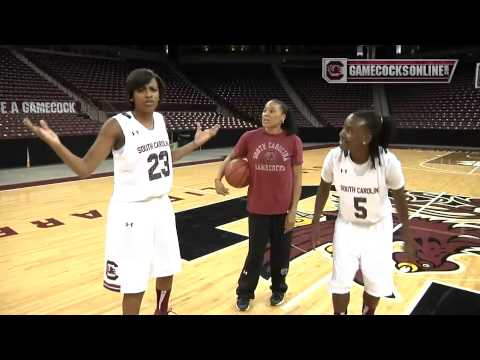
pixel 271 159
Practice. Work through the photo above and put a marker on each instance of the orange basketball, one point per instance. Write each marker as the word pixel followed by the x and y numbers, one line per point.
pixel 237 173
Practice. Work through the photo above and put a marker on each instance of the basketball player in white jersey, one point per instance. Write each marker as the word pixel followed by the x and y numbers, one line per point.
pixel 141 239
pixel 363 170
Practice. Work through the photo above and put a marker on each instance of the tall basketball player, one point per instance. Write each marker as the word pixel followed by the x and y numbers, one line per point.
pixel 362 170
pixel 141 239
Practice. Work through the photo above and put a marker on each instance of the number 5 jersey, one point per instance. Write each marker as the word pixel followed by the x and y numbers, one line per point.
pixel 143 166
pixel 362 189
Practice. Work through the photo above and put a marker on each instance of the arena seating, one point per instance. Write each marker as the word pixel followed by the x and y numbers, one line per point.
pixel 437 106
pixel 103 80
pixel 19 84
pixel 177 120
pixel 243 87
pixel 246 88
pixel 330 102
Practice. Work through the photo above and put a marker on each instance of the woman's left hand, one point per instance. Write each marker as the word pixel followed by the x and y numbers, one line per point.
pixel 290 221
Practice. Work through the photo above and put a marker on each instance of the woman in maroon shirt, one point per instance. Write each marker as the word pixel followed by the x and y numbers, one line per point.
pixel 275 157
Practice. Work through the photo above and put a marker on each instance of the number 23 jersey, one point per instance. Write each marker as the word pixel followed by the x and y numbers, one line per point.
pixel 143 166
pixel 363 190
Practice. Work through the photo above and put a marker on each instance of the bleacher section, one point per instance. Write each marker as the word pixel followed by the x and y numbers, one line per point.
pixel 331 103
pixel 187 120
pixel 103 81
pixel 437 106
pixel 241 88
pixel 20 85
pixel 246 88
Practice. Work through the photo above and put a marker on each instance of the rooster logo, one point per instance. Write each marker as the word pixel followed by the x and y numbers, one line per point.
pixel 335 70
pixel 448 226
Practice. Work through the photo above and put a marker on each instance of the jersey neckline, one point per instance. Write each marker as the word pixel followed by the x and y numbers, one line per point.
pixel 273 135
pixel 153 121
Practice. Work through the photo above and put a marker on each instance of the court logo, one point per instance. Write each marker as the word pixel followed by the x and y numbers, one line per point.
pixel 447 227
pixel 436 243
pixel 301 241
pixel 442 226
pixel 111 270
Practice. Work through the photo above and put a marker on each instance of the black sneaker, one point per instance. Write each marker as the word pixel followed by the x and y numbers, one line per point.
pixel 243 304
pixel 277 298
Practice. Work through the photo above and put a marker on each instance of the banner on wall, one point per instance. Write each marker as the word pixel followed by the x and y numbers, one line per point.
pixel 362 71
pixel 36 107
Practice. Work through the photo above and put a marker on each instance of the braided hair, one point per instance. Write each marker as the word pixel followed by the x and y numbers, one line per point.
pixel 381 129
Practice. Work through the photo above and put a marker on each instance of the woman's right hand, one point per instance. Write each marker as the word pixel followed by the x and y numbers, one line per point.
pixel 220 188
pixel 43 131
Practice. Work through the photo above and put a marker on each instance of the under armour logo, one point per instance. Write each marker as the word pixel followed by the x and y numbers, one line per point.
pixel 127 224
pixel 245 272
pixel 136 132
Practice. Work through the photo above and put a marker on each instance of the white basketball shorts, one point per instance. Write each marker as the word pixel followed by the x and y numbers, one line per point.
pixel 141 243
pixel 365 247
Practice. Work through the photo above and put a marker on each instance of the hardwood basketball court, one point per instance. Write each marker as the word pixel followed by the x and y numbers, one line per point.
pixel 58 268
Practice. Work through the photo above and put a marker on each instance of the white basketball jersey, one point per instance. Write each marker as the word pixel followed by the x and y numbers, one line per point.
pixel 143 166
pixel 363 190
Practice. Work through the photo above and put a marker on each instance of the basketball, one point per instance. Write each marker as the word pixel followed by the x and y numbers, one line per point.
pixel 237 173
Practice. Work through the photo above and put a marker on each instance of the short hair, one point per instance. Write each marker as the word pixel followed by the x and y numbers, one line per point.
pixel 141 77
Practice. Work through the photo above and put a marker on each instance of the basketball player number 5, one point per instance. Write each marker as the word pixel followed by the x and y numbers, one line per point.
pixel 155 158
pixel 362 214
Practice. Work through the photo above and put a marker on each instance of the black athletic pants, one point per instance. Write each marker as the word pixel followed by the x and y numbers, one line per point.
pixel 261 229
